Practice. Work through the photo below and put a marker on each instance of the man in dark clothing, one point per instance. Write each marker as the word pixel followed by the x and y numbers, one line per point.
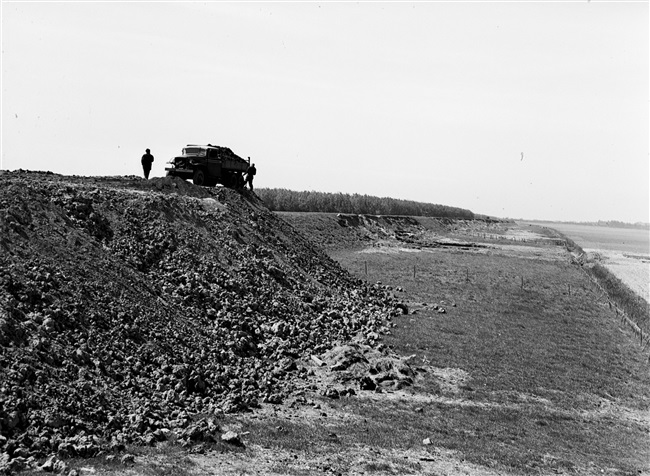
pixel 147 160
pixel 250 173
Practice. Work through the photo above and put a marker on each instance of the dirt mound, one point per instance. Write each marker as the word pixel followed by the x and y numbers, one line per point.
pixel 353 367
pixel 339 231
pixel 128 307
pixel 345 231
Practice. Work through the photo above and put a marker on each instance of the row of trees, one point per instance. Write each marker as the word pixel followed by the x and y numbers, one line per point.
pixel 622 224
pixel 608 223
pixel 283 200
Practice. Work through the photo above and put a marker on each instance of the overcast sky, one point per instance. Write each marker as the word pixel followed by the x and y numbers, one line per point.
pixel 433 102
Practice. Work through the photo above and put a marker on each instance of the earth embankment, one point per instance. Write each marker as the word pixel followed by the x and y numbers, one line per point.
pixel 128 307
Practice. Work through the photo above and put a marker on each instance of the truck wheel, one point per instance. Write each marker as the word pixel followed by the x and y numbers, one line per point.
pixel 199 177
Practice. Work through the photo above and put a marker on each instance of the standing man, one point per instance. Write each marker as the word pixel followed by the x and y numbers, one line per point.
pixel 250 173
pixel 147 160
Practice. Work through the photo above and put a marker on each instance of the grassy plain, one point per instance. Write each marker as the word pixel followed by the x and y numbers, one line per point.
pixel 523 368
pixel 549 379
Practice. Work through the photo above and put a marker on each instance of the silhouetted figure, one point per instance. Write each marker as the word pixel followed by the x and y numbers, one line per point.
pixel 250 173
pixel 147 160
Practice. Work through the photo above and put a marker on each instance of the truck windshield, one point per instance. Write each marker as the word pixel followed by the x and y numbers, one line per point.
pixel 194 151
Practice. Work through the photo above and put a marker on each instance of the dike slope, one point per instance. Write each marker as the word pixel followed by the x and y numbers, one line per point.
pixel 129 308
pixel 350 231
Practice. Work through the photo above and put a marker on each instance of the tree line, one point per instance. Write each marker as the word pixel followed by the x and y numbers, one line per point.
pixel 283 200
pixel 604 223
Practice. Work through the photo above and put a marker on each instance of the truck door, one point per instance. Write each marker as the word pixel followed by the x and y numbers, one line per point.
pixel 214 164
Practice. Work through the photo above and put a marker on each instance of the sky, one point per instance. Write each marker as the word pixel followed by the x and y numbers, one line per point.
pixel 535 110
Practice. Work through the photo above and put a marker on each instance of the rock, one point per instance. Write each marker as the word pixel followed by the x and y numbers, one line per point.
pixel 317 361
pixel 13 419
pixel 286 364
pixel 231 438
pixel 161 434
pixel 71 447
pixel 60 467
pixel 49 464
pixel 367 383
pixel 331 393
pixel 343 356
pixel 49 325
pixel 279 328
pixel 17 463
pixel 4 463
pixel 274 399
pixel 403 308
pixel 426 441
pixel 54 421
pixel 194 433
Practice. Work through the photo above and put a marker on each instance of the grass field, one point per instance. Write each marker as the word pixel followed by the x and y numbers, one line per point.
pixel 527 371
pixel 550 379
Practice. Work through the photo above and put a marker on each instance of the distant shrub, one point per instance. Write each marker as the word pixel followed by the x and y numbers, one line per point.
pixel 283 200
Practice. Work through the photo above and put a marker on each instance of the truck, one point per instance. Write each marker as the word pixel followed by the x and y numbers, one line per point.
pixel 209 165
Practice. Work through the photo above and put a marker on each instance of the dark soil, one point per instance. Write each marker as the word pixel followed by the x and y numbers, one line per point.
pixel 131 309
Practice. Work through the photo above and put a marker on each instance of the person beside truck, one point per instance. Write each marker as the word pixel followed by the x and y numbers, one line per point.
pixel 147 160
pixel 250 174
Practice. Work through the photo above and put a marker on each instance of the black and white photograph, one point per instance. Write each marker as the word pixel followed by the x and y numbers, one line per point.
pixel 325 238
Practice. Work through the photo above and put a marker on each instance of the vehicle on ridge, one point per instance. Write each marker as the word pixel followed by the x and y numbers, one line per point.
pixel 209 165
